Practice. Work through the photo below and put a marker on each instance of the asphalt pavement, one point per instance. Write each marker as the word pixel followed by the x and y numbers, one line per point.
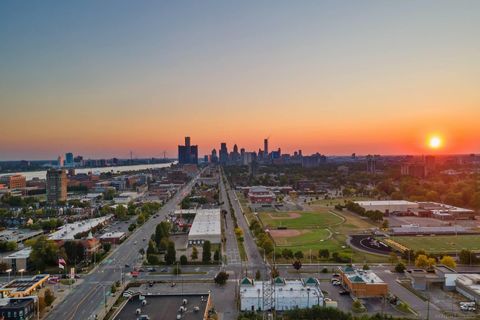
pixel 86 298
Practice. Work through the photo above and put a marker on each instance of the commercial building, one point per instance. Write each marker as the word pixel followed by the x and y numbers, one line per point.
pixel 126 197
pixel 444 211
pixel 363 283
pixel 469 286
pixel 25 287
pixel 14 181
pixel 18 260
pixel 389 206
pixel 56 186
pixel 260 196
pixel 205 226
pixel 279 294
pixel 166 307
pixel 68 231
pixel 17 308
pixel 187 154
pixel 113 237
pixel 18 235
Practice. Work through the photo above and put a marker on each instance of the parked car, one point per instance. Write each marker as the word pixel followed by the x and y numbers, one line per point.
pixel 150 284
pixel 164 270
pixel 127 266
pixel 343 292
pixel 151 269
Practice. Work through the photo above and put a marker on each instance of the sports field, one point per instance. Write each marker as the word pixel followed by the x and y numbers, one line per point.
pixel 440 244
pixel 300 220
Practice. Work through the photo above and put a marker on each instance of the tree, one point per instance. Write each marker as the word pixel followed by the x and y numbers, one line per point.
pixel 258 275
pixel 238 232
pixel 106 246
pixel 324 253
pixel 392 258
pixel 183 259
pixel 132 227
pixel 448 261
pixel 44 253
pixel 152 248
pixel 216 255
pixel 121 212
pixel 163 245
pixel 113 288
pixel 49 297
pixel 171 255
pixel 267 246
pixel 297 264
pixel 366 267
pixel 385 224
pixel 221 278
pixel 298 255
pixel 467 257
pixel 400 267
pixel 424 262
pixel 194 255
pixel 207 252
pixel 176 270
pixel 287 253
pixel 3 267
pixel 153 259
pixel 274 273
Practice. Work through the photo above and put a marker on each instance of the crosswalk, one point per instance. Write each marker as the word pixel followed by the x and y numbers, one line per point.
pixel 233 256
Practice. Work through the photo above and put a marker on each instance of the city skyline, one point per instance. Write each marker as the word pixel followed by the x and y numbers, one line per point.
pixel 102 80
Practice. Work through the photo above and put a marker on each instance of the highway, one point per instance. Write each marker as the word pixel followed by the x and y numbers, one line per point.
pixel 87 296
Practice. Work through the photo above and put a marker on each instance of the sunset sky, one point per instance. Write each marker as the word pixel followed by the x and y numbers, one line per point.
pixel 101 78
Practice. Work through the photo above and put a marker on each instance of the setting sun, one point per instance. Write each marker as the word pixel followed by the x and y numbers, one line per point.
pixel 435 142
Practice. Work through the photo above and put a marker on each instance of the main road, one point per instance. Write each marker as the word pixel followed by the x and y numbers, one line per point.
pixel 85 298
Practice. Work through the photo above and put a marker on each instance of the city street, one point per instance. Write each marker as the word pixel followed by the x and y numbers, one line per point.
pixel 87 297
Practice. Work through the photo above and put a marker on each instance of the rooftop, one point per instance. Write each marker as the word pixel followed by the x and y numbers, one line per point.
pixel 165 307
pixel 358 275
pixel 285 288
pixel 68 231
pixel 18 235
pixel 386 203
pixel 207 221
pixel 21 254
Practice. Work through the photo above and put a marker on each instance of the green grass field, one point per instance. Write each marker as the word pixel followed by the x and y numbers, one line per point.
pixel 309 237
pixel 303 220
pixel 440 244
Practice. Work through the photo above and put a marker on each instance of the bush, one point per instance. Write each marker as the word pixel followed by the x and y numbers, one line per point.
pixel 221 278
pixel 183 260
pixel 49 297
pixel 153 259
pixel 176 270
pixel 400 267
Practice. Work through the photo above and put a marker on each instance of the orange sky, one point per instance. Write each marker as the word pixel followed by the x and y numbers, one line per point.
pixel 327 77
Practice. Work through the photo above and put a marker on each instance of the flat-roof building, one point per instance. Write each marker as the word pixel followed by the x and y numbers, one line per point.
pixel 205 226
pixel 388 206
pixel 363 283
pixel 19 288
pixel 68 231
pixel 14 181
pixel 469 286
pixel 18 260
pixel 17 308
pixel 285 294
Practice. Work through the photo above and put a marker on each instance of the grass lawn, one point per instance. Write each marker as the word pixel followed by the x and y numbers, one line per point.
pixel 300 220
pixel 440 244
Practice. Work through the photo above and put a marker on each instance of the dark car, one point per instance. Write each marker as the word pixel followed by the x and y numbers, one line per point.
pixel 150 284
pixel 343 292
pixel 127 266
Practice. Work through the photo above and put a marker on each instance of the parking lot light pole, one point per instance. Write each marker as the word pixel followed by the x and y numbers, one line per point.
pixel 9 271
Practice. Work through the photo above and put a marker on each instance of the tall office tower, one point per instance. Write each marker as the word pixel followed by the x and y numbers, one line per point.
pixel 56 186
pixel 187 154
pixel 60 161
pixel 223 153
pixel 69 159
pixel 371 164
pixel 214 157
pixel 265 148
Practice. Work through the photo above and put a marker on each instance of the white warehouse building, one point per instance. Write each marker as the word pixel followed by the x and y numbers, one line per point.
pixel 205 226
pixel 286 294
pixel 388 206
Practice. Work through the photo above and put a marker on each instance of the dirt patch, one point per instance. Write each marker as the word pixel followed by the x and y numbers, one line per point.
pixel 291 215
pixel 286 233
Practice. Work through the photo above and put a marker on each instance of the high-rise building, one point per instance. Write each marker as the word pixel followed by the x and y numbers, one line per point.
pixel 56 186
pixel 187 154
pixel 223 153
pixel 14 181
pixel 60 161
pixel 371 164
pixel 68 159
pixel 265 148
pixel 214 157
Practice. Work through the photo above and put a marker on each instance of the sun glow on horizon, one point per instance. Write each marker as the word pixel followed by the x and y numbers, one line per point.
pixel 435 142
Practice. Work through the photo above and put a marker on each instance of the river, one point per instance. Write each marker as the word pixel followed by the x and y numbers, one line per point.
pixel 138 167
